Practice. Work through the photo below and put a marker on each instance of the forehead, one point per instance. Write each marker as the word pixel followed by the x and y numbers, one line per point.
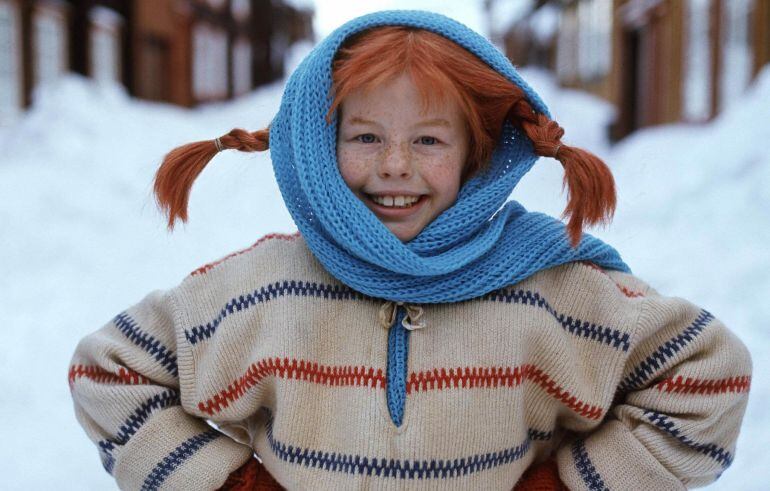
pixel 401 98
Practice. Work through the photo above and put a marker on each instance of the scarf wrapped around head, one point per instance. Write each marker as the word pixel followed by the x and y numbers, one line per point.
pixel 479 244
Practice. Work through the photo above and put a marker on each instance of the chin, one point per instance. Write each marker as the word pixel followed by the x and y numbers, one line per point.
pixel 404 236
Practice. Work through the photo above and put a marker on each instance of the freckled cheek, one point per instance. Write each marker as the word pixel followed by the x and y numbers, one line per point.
pixel 354 167
pixel 443 177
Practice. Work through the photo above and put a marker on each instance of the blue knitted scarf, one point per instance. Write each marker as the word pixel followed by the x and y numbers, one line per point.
pixel 479 244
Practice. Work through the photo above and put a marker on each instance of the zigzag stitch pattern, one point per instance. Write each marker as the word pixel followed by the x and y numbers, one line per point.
pixel 128 326
pixel 499 376
pixel 302 370
pixel 719 454
pixel 102 376
pixel 591 477
pixel 626 291
pixel 402 469
pixel 605 335
pixel 267 293
pixel 665 352
pixel 468 377
pixel 208 267
pixel 135 421
pixel 689 385
pixel 172 461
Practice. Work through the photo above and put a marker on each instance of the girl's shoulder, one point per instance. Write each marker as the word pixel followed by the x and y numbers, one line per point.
pixel 272 260
pixel 269 245
pixel 587 278
pixel 579 292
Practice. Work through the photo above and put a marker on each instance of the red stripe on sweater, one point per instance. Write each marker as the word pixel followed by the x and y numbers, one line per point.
pixel 302 370
pixel 98 374
pixel 470 377
pixel 207 267
pixel 705 386
pixel 626 291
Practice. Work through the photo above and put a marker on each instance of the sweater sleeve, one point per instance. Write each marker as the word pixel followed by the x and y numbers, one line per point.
pixel 678 407
pixel 124 382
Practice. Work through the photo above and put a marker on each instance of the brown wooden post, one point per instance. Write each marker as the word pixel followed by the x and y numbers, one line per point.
pixel 25 12
pixel 715 34
pixel 760 35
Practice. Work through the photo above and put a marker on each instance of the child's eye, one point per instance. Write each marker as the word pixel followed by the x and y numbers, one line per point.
pixel 428 140
pixel 366 138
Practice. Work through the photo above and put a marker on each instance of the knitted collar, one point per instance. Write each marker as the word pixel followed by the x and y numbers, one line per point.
pixel 479 244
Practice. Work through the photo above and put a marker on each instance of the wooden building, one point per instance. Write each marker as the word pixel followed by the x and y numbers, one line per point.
pixel 657 61
pixel 178 51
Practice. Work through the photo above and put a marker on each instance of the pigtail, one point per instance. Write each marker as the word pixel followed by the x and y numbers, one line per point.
pixel 591 197
pixel 182 165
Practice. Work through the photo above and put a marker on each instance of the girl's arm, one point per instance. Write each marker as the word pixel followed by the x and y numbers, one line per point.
pixel 124 381
pixel 678 408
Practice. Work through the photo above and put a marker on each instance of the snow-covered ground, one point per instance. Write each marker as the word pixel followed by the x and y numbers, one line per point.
pixel 81 238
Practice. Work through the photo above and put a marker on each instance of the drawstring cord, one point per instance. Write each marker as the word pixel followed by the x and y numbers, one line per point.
pixel 411 321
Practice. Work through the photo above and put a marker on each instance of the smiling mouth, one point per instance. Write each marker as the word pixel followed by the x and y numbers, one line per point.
pixel 396 211
pixel 401 202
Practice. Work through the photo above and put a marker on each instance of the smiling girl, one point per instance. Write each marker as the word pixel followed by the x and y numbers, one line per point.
pixel 402 160
pixel 420 330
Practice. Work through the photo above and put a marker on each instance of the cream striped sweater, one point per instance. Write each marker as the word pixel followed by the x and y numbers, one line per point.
pixel 265 352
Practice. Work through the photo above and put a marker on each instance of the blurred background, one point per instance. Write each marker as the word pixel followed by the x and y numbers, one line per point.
pixel 656 61
pixel 673 94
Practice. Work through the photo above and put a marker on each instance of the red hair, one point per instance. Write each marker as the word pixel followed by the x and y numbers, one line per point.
pixel 440 69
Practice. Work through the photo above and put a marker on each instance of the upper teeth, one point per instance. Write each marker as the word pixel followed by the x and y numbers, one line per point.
pixel 395 200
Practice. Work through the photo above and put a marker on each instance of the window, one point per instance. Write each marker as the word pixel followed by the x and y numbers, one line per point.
pixel 566 47
pixel 736 51
pixel 104 46
pixel 594 38
pixel 241 9
pixel 49 43
pixel 697 59
pixel 242 66
pixel 209 62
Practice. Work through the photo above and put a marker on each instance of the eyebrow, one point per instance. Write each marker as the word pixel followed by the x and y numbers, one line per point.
pixel 428 122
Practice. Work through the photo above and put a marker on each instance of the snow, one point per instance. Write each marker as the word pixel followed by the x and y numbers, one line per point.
pixel 81 238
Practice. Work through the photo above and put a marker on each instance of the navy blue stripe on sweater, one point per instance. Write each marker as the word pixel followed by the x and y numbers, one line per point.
pixel 606 335
pixel 400 469
pixel 176 458
pixel 135 421
pixel 105 453
pixel 658 359
pixel 270 292
pixel 591 477
pixel 719 454
pixel 129 327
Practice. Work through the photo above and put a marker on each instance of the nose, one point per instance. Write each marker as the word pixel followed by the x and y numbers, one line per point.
pixel 396 161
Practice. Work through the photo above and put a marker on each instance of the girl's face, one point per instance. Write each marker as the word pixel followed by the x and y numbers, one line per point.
pixel 404 164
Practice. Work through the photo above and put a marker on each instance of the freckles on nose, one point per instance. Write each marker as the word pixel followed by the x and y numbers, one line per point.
pixel 403 150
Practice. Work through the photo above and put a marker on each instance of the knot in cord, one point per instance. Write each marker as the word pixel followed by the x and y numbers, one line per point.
pixel 411 321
